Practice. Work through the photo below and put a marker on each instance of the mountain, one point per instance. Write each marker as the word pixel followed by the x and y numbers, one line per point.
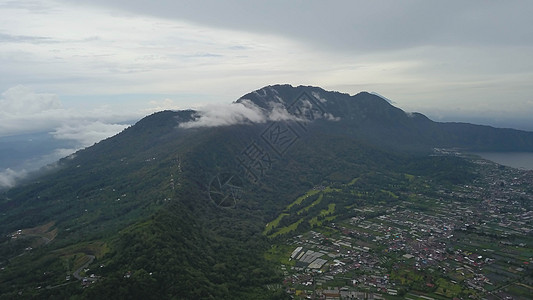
pixel 175 208
pixel 373 118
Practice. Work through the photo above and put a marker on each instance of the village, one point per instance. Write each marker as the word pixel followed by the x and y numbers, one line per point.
pixel 471 242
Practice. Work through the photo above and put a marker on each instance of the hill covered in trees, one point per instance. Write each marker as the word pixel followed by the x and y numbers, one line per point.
pixel 176 205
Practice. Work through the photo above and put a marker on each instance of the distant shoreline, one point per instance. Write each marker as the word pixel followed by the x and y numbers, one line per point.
pixel 519 160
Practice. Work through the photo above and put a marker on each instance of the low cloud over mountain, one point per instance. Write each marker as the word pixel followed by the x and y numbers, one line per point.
pixel 243 112
pixel 29 115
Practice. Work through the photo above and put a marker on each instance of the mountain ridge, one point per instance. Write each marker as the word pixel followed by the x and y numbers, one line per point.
pixel 369 112
pixel 150 203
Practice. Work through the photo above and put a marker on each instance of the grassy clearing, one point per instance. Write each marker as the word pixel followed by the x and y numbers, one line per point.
pixel 409 176
pixel 280 254
pixel 330 218
pixel 393 195
pixel 330 210
pixel 39 229
pixel 287 229
pixel 315 221
pixel 447 289
pixel 300 199
pixel 316 202
pixel 42 231
pixel 310 193
pixel 272 225
pixel 353 181
pixel 521 289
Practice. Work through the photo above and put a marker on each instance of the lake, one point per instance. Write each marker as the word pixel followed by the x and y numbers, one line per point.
pixel 519 160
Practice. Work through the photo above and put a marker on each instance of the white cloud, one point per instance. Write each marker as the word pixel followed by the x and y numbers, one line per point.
pixel 246 112
pixel 278 112
pixel 225 115
pixel 318 97
pixel 25 111
pixel 21 100
pixel 86 133
pixel 9 177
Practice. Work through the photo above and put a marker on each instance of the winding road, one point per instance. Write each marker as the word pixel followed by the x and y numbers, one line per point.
pixel 76 273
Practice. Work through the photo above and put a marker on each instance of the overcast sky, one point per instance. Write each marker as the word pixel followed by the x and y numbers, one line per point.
pixel 114 59
pixel 83 68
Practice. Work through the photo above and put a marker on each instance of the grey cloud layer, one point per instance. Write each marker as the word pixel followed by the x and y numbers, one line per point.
pixel 474 57
pixel 358 25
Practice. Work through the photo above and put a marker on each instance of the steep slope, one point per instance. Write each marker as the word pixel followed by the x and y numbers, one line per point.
pixel 107 201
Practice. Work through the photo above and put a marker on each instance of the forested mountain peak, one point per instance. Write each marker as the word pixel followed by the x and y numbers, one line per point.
pixel 176 205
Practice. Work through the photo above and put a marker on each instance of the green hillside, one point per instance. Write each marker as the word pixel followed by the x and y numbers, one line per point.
pixel 165 212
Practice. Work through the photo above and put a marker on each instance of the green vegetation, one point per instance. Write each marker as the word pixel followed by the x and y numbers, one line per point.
pixel 317 201
pixel 300 199
pixel 141 211
pixel 284 230
pixel 330 210
pixel 390 194
pixel 274 223
pixel 353 181
pixel 465 262
pixel 280 253
pixel 134 213
pixel 448 289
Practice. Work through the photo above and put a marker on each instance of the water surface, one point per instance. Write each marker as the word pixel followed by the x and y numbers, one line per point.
pixel 519 160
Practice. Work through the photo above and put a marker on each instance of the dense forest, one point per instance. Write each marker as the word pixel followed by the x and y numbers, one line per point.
pixel 165 212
